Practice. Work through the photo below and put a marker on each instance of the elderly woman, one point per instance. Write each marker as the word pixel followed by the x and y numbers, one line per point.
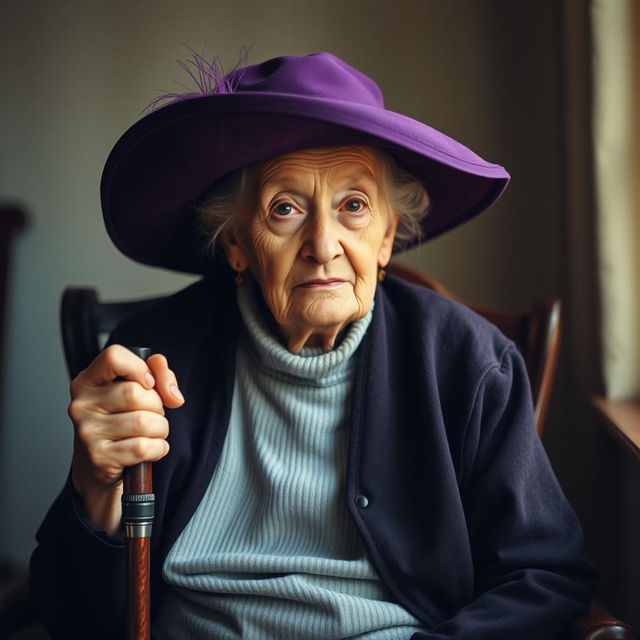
pixel 354 456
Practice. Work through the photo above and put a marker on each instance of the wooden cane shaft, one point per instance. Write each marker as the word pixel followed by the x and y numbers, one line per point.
pixel 138 479
pixel 138 567
pixel 137 512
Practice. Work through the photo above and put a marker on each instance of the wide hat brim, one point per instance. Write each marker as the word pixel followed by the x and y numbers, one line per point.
pixel 157 172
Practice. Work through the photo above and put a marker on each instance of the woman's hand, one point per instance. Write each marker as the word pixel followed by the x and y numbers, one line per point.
pixel 117 408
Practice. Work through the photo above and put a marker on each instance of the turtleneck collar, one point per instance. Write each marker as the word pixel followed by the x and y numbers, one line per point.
pixel 311 364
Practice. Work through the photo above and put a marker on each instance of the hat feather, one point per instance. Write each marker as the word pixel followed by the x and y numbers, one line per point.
pixel 208 75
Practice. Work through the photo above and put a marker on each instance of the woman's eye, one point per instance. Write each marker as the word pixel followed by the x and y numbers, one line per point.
pixel 354 206
pixel 283 209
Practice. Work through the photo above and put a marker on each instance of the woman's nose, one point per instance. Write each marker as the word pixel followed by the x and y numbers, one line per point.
pixel 321 242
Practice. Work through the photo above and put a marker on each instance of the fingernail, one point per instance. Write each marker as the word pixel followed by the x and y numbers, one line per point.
pixel 176 392
pixel 149 379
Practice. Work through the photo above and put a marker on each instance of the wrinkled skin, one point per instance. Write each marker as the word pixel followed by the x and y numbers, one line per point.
pixel 313 229
pixel 313 232
pixel 117 408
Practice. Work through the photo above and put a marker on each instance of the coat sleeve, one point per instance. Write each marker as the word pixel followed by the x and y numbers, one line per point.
pixel 531 577
pixel 77 574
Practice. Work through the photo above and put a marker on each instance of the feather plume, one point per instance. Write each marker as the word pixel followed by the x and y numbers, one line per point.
pixel 208 75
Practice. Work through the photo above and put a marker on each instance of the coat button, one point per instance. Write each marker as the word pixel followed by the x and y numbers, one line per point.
pixel 362 501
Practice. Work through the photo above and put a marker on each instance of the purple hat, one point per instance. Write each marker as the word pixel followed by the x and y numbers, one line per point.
pixel 158 170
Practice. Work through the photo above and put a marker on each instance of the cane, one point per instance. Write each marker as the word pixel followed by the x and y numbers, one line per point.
pixel 137 516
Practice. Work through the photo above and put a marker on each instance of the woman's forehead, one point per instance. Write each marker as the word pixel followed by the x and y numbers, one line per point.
pixel 341 163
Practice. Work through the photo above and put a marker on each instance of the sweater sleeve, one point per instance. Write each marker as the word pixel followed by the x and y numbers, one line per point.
pixel 531 577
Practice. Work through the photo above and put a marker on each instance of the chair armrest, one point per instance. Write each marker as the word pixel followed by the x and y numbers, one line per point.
pixel 599 624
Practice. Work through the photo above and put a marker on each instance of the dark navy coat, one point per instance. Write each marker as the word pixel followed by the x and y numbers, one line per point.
pixel 463 518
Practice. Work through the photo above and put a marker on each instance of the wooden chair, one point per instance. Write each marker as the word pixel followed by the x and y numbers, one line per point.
pixel 536 333
pixel 85 321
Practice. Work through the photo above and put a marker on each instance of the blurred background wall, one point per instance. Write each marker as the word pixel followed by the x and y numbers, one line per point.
pixel 76 73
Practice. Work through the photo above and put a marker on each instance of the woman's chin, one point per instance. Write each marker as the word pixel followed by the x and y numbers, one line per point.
pixel 316 316
pixel 326 306
pixel 329 312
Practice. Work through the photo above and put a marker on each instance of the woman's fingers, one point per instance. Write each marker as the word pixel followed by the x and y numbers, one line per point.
pixel 102 461
pixel 115 362
pixel 139 436
pixel 135 450
pixel 117 407
pixel 119 397
pixel 124 425
pixel 118 381
pixel 166 384
pixel 125 453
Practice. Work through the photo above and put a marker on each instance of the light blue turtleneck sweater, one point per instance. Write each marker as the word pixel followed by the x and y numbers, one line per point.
pixel 271 552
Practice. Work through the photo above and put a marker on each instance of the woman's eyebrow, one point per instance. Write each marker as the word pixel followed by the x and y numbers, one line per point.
pixel 279 180
pixel 358 177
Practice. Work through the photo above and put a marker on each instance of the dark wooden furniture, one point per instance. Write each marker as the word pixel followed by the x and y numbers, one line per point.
pixel 536 333
pixel 622 418
pixel 12 219
pixel 85 322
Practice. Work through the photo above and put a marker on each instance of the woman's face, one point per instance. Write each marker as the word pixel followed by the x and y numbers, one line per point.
pixel 314 227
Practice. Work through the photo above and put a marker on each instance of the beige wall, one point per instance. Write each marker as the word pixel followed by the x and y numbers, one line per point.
pixel 76 73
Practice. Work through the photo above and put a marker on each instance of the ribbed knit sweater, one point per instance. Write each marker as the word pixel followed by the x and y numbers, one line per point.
pixel 271 551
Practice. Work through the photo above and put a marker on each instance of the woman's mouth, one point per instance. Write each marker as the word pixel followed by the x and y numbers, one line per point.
pixel 318 283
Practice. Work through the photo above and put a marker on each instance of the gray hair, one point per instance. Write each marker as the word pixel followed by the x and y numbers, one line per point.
pixel 406 196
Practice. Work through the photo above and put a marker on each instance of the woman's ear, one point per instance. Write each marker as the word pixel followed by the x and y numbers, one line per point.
pixel 386 248
pixel 236 255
